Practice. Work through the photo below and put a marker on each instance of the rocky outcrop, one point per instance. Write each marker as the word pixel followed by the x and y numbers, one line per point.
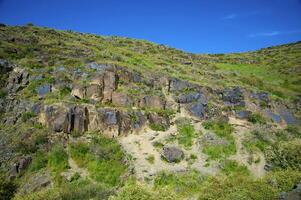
pixel 110 84
pixel 152 102
pixel 64 118
pixel 100 88
pixel 121 99
pixel 172 154
pixel 17 80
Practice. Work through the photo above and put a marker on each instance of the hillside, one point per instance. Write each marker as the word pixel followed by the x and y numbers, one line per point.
pixel 96 117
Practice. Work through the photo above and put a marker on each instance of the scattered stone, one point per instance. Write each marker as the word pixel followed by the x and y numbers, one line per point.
pixel 172 154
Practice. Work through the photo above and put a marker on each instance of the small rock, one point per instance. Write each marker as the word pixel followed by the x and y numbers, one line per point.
pixel 172 154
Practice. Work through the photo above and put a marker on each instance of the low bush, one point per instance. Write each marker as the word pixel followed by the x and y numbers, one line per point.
pixel 285 155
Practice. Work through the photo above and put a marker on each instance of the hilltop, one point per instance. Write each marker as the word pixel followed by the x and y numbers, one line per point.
pixel 96 117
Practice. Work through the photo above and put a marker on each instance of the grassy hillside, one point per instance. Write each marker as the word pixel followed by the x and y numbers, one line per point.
pixel 151 122
pixel 275 69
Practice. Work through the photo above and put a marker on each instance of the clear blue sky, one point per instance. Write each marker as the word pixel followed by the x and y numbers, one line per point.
pixel 199 26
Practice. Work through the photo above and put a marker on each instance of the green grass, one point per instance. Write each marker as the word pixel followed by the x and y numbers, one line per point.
pixel 186 135
pixel 156 127
pixel 222 130
pixel 103 158
pixel 230 167
pixel 58 159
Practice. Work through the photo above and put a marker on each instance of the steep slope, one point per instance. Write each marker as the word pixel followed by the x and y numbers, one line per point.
pixel 89 117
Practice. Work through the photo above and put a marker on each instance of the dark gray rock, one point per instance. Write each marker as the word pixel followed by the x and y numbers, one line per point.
pixel 243 114
pixel 43 90
pixel 197 109
pixel 172 154
pixel 79 119
pixel 263 98
pixel 176 85
pixel 274 117
pixel 188 97
pixel 288 117
pixel 233 96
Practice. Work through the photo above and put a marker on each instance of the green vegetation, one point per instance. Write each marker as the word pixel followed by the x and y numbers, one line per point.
pixel 220 151
pixel 186 135
pixel 151 159
pixel 232 167
pixel 58 159
pixel 285 155
pixel 7 188
pixel 102 157
pixel 156 127
pixel 256 118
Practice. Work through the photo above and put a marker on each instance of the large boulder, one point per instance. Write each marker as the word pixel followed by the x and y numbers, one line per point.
pixel 121 99
pixel 188 97
pixel 43 90
pixel 94 92
pixel 79 119
pixel 152 102
pixel 78 91
pixel 64 118
pixel 110 84
pixel 18 79
pixel 197 109
pixel 172 154
pixel 36 182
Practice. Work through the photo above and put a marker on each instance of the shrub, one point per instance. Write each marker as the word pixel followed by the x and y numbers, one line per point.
pixel 256 118
pixel 285 155
pixel 7 188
